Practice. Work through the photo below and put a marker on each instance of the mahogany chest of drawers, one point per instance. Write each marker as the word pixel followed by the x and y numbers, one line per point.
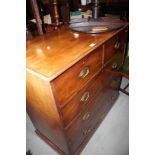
pixel 71 84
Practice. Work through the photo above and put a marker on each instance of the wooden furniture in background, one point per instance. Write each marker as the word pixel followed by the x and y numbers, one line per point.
pixel 39 9
pixel 71 84
pixel 36 13
pixel 65 11
pixel 55 13
pixel 74 5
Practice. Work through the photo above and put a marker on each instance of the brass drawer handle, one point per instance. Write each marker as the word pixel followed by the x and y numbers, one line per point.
pixel 85 97
pixel 86 116
pixel 114 65
pixel 86 131
pixel 117 45
pixel 84 72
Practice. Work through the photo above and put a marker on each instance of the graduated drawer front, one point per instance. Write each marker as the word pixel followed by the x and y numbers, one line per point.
pixel 82 126
pixel 75 77
pixel 79 132
pixel 113 80
pixel 115 62
pixel 114 46
pixel 81 100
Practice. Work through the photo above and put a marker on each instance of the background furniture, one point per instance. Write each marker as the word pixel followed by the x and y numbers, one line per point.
pixel 71 84
pixel 37 9
pixel 36 13
pixel 50 14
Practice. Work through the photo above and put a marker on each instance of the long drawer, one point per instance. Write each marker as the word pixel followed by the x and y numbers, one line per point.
pixel 87 121
pixel 75 77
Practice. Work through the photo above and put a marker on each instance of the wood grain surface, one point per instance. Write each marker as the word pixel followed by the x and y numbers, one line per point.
pixel 71 84
pixel 53 53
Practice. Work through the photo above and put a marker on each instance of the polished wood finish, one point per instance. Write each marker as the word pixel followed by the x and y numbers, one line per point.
pixel 75 106
pixel 115 45
pixel 72 84
pixel 42 109
pixel 58 150
pixel 53 53
pixel 81 127
pixel 115 62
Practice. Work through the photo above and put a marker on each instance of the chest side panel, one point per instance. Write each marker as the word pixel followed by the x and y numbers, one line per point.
pixel 43 111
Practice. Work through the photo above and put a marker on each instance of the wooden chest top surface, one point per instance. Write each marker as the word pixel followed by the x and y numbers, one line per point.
pixel 51 54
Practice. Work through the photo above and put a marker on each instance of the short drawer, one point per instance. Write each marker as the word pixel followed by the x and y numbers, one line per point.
pixel 81 100
pixel 76 77
pixel 115 62
pixel 114 45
